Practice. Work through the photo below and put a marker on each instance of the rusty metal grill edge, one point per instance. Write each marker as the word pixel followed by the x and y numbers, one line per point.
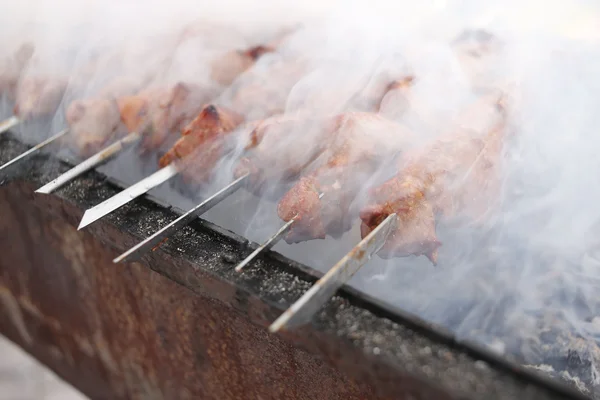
pixel 371 349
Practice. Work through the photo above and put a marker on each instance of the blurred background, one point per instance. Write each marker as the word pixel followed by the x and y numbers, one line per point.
pixel 23 378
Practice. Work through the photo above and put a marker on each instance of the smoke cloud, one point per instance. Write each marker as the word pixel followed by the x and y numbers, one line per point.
pixel 523 278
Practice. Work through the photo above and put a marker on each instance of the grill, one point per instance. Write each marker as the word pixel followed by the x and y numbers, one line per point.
pixel 181 323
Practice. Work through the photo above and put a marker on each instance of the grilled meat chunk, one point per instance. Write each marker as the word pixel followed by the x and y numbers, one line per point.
pixel 355 150
pixel 280 148
pixel 202 143
pixel 36 97
pixel 263 91
pixel 11 69
pixel 225 69
pixel 454 174
pixel 96 121
pixel 159 112
pixel 93 123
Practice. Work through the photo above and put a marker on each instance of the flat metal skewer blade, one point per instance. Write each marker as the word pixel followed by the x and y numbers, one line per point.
pixel 35 148
pixel 106 207
pixel 272 241
pixel 303 310
pixel 266 245
pixel 9 123
pixel 153 241
pixel 95 160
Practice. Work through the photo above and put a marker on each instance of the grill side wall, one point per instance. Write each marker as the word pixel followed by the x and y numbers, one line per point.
pixel 127 332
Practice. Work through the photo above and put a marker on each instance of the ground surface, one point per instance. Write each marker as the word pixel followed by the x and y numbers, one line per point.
pixel 23 378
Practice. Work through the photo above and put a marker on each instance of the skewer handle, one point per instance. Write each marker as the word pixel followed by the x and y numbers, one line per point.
pixel 303 310
pixel 150 243
pixel 35 148
pixel 8 124
pixel 270 242
pixel 132 192
pixel 95 160
pixel 266 245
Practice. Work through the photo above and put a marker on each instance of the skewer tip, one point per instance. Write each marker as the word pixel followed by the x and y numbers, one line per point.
pixel 85 220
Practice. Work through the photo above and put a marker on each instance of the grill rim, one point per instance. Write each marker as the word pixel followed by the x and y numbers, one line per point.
pixel 274 261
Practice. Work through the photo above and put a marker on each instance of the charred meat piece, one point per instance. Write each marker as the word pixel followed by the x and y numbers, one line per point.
pixel 93 123
pixel 454 174
pixel 36 97
pixel 358 145
pixel 159 112
pixel 203 140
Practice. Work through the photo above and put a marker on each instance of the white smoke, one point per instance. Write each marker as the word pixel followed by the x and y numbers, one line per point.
pixel 537 256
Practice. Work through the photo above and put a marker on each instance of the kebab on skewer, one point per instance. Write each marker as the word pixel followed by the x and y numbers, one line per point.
pixel 284 145
pixel 11 69
pixel 203 141
pixel 38 96
pixel 155 112
pixel 320 201
pixel 453 174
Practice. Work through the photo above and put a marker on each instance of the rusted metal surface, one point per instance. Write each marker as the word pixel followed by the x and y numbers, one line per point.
pixel 182 324
pixel 128 332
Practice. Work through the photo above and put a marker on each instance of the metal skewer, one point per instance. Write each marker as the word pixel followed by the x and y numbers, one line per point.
pixel 95 160
pixel 106 207
pixel 35 148
pixel 153 241
pixel 9 123
pixel 272 241
pixel 303 310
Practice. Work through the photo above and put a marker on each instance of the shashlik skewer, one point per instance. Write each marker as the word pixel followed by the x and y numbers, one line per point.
pixel 255 176
pixel 94 161
pixel 359 144
pixel 455 173
pixel 160 236
pixel 303 309
pixel 377 238
pixel 35 148
pixel 219 122
pixel 36 97
pixel 272 241
pixel 195 154
pixel 150 115
pixel 8 124
pixel 351 148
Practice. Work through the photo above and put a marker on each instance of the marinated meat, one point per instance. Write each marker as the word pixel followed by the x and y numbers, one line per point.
pixel 263 91
pixel 281 147
pixel 12 68
pixel 229 66
pixel 93 123
pixel 96 121
pixel 358 144
pixel 160 112
pixel 202 142
pixel 453 174
pixel 225 69
pixel 36 97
